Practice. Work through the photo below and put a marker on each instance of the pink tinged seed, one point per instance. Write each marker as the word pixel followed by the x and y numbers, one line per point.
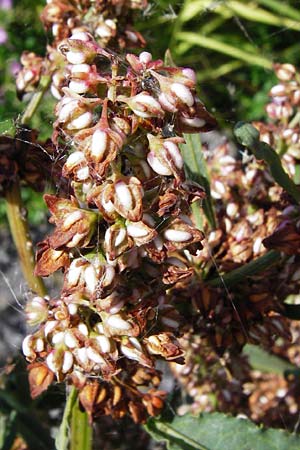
pixel 99 144
pixel 175 153
pixel 135 343
pixel 183 93
pixel 120 237
pixel 166 103
pixel 116 308
pixel 67 362
pixel 123 195
pixel 190 74
pixel 117 322
pixel 177 235
pixel 145 57
pixel 157 166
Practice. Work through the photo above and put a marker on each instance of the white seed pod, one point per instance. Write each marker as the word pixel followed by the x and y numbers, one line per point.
pixel 90 278
pixel 158 167
pixel 116 321
pixel 177 235
pixel 67 362
pixel 104 343
pixel 99 144
pixel 94 356
pixel 27 346
pixel 70 340
pixel 183 93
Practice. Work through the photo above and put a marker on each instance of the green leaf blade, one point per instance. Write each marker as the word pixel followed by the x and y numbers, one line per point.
pixel 216 431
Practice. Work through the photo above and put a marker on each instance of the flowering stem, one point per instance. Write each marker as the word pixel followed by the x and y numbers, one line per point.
pixel 19 229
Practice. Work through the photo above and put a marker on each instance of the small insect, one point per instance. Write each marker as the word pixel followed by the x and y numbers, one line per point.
pixel 149 83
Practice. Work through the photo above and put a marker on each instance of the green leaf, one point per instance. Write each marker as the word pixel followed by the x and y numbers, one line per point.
pixel 7 127
pixel 247 270
pixel 221 47
pixel 217 431
pixel 265 362
pixel 247 135
pixel 195 167
pixel 7 430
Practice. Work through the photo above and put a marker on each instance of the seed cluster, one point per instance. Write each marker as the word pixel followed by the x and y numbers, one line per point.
pixel 122 234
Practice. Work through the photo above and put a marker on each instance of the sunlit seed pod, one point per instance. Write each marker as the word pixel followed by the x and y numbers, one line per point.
pixel 190 74
pixel 90 278
pixel 79 86
pixel 177 235
pixel 58 338
pixel 70 340
pixel 158 166
pixel 83 328
pixel 27 345
pixel 50 326
pixel 104 343
pixel 74 273
pixel 175 154
pixel 67 362
pixel 167 103
pixel 99 144
pixel 83 173
pixel 94 356
pixel 115 321
pixel 123 195
pixel 183 93
pixel 137 230
pixel 82 357
pixel 145 57
pixel 52 362
pixel 82 121
pixel 72 218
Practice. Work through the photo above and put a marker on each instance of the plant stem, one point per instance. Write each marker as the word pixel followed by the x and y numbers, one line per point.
pixel 81 437
pixel 15 209
pixel 16 215
pixel 36 99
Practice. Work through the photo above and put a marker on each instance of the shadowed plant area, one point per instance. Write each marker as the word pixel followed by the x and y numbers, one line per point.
pixel 150 221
